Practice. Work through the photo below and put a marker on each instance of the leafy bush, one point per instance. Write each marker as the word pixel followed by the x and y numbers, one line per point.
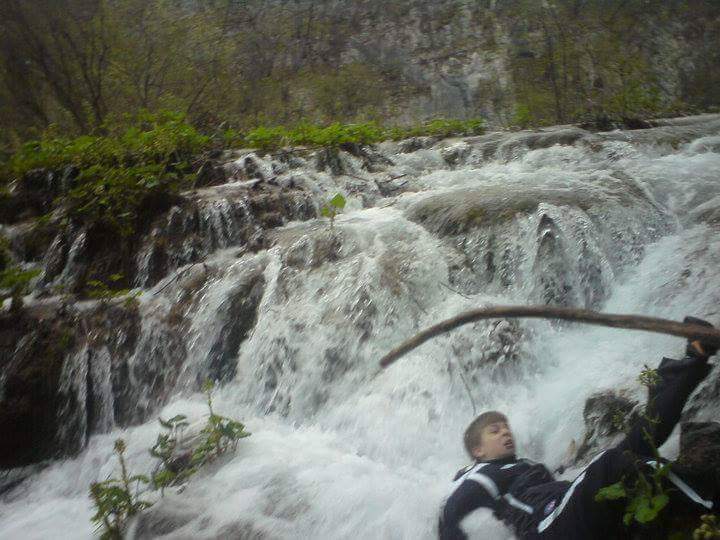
pixel 645 498
pixel 115 500
pixel 152 153
pixel 523 117
pixel 335 135
pixel 219 435
pixel 167 473
pixel 267 138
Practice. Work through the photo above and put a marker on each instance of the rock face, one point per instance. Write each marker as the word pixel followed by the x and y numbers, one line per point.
pixel 65 376
pixel 33 347
pixel 700 448
pixel 606 415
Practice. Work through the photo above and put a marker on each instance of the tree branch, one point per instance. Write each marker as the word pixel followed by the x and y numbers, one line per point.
pixel 629 322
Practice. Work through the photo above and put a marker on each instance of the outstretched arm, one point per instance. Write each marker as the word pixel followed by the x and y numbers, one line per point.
pixel 666 399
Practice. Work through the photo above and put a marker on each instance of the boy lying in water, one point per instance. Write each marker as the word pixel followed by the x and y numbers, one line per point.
pixel 526 497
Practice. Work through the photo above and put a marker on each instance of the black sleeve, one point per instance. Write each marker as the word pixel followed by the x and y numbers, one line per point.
pixel 666 399
pixel 467 497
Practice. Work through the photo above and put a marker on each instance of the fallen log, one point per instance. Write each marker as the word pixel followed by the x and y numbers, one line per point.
pixel 628 322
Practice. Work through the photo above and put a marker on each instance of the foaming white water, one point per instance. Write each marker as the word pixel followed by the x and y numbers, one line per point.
pixel 342 450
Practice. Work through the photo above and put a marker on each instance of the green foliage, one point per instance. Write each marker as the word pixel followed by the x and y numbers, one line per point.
pixel 219 435
pixel 333 207
pixel 645 498
pixel 522 117
pixel 141 155
pixel 100 290
pixel 649 377
pixel 164 449
pixel 16 279
pixel 267 138
pixel 117 499
pixel 439 127
pixel 709 528
pixel 337 135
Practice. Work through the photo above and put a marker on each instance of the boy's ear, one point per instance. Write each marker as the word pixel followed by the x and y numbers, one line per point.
pixel 478 453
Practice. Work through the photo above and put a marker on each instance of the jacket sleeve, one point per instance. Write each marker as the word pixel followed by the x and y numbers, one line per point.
pixel 468 496
pixel 677 379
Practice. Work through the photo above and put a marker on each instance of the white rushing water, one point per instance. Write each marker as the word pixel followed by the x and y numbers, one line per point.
pixel 340 449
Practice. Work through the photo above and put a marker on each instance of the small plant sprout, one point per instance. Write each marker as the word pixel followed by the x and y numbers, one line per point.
pixel 333 207
pixel 649 377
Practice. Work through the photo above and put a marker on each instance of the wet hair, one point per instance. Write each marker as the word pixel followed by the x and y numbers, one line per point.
pixel 473 433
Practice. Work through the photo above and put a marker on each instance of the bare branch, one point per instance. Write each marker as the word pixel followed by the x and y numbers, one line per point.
pixel 629 322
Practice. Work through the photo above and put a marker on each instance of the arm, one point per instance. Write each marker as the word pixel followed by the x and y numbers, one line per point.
pixel 467 497
pixel 666 399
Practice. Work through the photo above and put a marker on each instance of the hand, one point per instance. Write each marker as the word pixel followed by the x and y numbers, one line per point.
pixel 697 348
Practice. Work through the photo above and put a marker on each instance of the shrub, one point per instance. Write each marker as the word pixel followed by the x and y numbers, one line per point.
pixel 115 500
pixel 152 152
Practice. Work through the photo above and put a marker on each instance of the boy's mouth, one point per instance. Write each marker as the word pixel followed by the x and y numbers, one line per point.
pixel 509 444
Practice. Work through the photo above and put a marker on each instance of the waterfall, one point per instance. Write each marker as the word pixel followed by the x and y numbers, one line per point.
pixel 294 328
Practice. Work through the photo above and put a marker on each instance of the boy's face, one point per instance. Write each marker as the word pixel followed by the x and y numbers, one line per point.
pixel 497 442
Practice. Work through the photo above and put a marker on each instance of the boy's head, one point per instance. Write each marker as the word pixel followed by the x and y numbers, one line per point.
pixel 489 437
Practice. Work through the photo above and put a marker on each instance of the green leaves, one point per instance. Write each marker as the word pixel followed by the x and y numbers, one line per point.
pixel 612 492
pixel 219 435
pixel 17 279
pixel 335 135
pixel 333 207
pixel 151 153
pixel 113 499
pixel 100 290
pixel 645 498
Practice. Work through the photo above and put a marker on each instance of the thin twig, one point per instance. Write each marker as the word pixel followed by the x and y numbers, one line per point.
pixel 630 322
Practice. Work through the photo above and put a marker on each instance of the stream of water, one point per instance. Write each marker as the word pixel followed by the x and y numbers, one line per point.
pixel 340 449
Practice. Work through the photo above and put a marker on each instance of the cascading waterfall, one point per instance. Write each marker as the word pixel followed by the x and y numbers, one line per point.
pixel 621 222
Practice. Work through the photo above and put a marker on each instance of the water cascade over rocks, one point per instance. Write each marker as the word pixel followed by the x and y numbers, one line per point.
pixel 242 283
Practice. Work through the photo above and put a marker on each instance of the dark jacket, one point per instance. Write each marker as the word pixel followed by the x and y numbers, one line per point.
pixel 519 492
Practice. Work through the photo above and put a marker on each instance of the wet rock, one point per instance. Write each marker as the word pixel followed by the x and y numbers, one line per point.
pixel 215 218
pixel 335 364
pixel 414 144
pixel 11 478
pixel 700 446
pixel 606 415
pixel 329 159
pixel 497 352
pixel 238 315
pixel 210 173
pixel 166 517
pixel 456 154
pixel 33 346
pixel 553 279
